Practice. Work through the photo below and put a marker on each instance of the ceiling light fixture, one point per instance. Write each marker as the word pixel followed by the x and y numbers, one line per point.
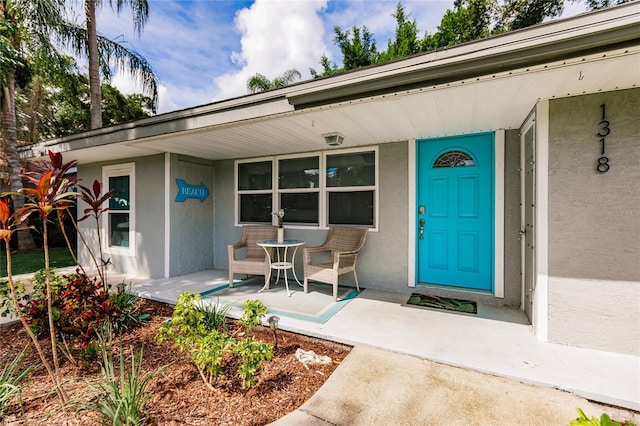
pixel 333 138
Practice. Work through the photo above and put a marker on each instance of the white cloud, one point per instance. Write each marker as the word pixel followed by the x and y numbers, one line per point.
pixel 275 36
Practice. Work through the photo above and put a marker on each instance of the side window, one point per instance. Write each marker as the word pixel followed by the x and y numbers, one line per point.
pixel 119 221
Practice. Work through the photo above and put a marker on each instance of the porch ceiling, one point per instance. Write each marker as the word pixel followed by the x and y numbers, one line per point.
pixel 483 103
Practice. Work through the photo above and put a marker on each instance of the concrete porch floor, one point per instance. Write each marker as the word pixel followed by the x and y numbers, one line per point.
pixel 497 341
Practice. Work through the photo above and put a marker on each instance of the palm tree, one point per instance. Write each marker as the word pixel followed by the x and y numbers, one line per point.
pixel 260 83
pixel 25 47
pixel 100 51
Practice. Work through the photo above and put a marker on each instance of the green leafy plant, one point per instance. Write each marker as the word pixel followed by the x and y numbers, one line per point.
pixel 10 378
pixel 127 311
pixel 207 344
pixel 604 420
pixel 7 307
pixel 252 354
pixel 121 397
pixel 254 312
pixel 214 315
pixel 186 325
pixel 208 352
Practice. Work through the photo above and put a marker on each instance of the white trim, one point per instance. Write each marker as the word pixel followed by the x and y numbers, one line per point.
pixel 498 242
pixel 411 249
pixel 125 169
pixel 167 214
pixel 541 307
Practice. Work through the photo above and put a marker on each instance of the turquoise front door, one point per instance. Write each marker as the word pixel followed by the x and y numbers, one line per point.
pixel 455 211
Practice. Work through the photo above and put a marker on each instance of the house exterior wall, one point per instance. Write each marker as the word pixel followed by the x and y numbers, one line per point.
pixel 381 263
pixel 148 260
pixel 191 224
pixel 594 223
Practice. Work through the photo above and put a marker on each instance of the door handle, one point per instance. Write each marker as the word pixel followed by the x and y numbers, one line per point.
pixel 422 229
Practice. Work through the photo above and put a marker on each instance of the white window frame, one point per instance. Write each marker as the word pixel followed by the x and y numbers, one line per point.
pixel 323 213
pixel 375 187
pixel 237 193
pixel 117 170
pixel 277 191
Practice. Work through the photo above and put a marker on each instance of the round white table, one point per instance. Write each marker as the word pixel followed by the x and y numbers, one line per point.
pixel 279 261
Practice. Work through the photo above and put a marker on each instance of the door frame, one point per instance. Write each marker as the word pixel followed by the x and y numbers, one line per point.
pixel 498 207
pixel 540 308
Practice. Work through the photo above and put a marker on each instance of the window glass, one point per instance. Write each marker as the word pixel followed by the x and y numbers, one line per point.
pixel 120 199
pixel 352 169
pixel 351 208
pixel 314 189
pixel 254 176
pixel 119 229
pixel 454 159
pixel 300 207
pixel 255 208
pixel 297 173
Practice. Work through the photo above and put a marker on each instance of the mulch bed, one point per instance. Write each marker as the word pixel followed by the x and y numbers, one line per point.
pixel 179 395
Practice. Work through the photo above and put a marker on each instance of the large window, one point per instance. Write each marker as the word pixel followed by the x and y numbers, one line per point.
pixel 118 226
pixel 317 189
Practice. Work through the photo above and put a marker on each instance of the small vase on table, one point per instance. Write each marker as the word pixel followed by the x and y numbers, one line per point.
pixel 280 235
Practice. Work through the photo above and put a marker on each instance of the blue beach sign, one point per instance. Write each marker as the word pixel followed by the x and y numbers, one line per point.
pixel 190 191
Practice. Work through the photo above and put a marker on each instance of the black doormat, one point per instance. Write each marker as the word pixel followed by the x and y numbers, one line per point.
pixel 446 303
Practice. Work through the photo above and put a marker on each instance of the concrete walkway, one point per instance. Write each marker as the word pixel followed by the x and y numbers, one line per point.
pixel 377 387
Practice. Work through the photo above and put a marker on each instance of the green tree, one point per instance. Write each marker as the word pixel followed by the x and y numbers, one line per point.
pixel 516 14
pixel 28 30
pixel 406 41
pixel 328 69
pixel 101 52
pixel 261 83
pixel 599 4
pixel 358 50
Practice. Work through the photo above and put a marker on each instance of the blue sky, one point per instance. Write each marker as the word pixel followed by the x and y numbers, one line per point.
pixel 205 50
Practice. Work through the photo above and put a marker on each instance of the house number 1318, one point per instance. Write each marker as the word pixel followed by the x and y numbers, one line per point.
pixel 603 161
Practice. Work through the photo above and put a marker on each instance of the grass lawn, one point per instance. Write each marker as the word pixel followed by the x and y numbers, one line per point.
pixel 32 261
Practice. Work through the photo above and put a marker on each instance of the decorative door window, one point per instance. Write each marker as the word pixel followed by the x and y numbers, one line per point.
pixel 454 159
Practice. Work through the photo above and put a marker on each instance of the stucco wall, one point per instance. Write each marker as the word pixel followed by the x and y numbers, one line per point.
pixel 149 211
pixel 382 262
pixel 191 227
pixel 594 223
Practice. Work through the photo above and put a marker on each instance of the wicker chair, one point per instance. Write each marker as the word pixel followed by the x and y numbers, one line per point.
pixel 342 245
pixel 255 261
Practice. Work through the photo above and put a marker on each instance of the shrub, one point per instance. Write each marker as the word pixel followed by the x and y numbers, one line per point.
pixel 214 315
pixel 604 420
pixel 79 308
pixel 126 312
pixel 206 347
pixel 10 377
pixel 252 354
pixel 120 398
pixel 254 312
